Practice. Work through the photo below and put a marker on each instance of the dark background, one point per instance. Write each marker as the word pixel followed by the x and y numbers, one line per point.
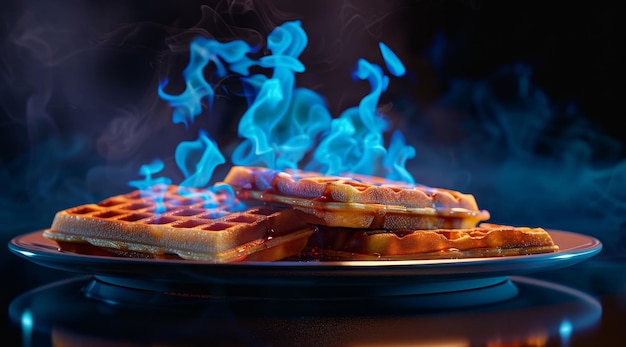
pixel 518 103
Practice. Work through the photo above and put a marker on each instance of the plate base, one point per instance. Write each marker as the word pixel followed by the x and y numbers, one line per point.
pixel 451 294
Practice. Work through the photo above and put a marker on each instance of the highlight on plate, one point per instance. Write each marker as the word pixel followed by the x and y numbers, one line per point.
pixel 304 185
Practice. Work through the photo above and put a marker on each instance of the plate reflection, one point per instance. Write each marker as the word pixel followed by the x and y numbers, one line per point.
pixel 59 314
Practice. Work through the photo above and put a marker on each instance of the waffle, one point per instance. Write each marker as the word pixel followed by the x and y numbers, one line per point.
pixel 357 201
pixel 485 240
pixel 170 220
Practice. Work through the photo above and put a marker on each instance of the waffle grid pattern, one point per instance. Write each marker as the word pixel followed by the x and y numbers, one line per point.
pixel 174 220
pixel 188 211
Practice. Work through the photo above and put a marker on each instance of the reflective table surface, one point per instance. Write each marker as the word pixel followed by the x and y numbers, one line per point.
pixel 542 313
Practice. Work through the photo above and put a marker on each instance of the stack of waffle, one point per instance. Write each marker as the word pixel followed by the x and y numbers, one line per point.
pixel 287 214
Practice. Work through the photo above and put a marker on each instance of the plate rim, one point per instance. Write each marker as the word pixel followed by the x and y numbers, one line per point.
pixel 584 251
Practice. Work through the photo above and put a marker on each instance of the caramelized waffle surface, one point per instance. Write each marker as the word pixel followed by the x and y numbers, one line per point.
pixel 358 201
pixel 485 240
pixel 191 224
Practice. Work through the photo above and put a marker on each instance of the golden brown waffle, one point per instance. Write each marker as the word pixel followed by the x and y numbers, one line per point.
pixel 187 225
pixel 358 201
pixel 485 240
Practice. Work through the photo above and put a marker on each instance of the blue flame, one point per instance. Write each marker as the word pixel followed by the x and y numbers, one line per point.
pixel 203 51
pixel 356 143
pixel 198 159
pixel 329 157
pixel 257 123
pixel 393 63
pixel 283 123
pixel 395 161
pixel 147 170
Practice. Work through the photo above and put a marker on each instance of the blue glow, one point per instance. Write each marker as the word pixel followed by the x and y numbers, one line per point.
pixel 27 320
pixel 28 323
pixel 28 254
pixel 565 330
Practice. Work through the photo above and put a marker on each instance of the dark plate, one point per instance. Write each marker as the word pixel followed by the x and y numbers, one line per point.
pixel 296 278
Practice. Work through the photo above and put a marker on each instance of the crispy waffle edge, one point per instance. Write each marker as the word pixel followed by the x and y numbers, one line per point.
pixel 485 240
